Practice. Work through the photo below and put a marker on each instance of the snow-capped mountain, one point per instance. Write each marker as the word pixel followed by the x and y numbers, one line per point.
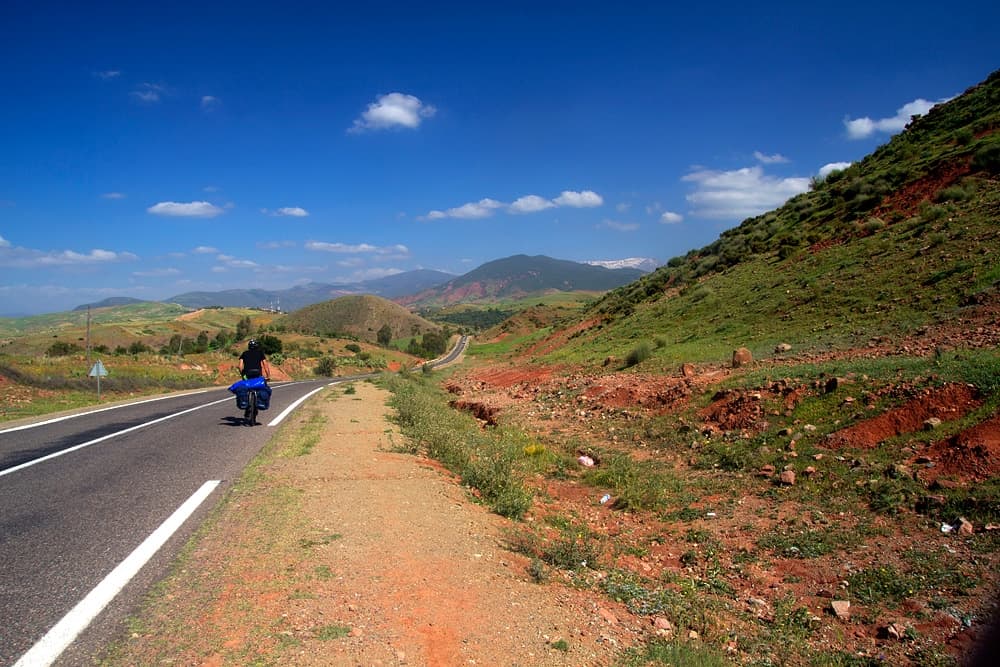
pixel 642 263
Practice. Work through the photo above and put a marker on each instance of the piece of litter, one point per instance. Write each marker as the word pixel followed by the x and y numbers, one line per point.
pixel 710 515
pixel 586 461
pixel 605 498
pixel 946 528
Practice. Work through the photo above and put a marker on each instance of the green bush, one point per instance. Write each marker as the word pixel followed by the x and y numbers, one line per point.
pixel 987 159
pixel 61 348
pixel 325 367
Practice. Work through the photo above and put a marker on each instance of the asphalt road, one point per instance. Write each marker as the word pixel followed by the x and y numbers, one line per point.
pixel 67 521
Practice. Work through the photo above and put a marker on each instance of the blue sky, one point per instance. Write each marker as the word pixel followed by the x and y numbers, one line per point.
pixel 147 151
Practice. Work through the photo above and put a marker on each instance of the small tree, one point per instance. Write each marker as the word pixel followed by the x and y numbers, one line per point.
pixel 384 335
pixel 270 344
pixel 325 367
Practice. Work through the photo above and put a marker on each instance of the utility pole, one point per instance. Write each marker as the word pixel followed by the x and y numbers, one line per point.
pixel 88 335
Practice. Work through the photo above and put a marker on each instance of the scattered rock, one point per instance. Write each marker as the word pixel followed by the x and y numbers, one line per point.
pixel 741 357
pixel 831 385
pixel 965 527
pixel 766 470
pixel 931 423
pixel 809 471
pixel 787 477
pixel 782 347
pixel 608 616
pixel 841 609
pixel 610 361
pixel 688 370
pixel 895 631
pixel 663 627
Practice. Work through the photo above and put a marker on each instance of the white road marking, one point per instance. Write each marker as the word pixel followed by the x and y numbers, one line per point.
pixel 94 412
pixel 53 455
pixel 56 640
pixel 287 411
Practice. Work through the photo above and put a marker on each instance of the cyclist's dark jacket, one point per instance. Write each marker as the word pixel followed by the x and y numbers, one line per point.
pixel 252 360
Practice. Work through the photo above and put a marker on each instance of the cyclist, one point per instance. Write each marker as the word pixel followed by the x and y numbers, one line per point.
pixel 253 362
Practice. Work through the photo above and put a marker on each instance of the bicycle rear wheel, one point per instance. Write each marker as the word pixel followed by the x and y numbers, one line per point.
pixel 250 414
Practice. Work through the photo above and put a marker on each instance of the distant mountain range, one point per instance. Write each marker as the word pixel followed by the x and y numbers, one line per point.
pixel 512 277
pixel 521 276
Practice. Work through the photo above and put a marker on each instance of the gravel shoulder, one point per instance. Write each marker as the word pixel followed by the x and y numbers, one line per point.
pixel 335 549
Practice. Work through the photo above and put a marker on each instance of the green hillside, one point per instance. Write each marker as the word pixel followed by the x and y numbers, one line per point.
pixel 357 316
pixel 902 240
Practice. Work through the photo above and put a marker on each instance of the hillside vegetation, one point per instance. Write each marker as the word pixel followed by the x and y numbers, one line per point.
pixel 905 239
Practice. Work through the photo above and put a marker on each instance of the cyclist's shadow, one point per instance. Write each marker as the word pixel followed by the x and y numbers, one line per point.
pixel 231 420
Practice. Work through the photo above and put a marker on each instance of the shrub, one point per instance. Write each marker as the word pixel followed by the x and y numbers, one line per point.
pixel 325 367
pixel 987 159
pixel 638 354
pixel 353 347
pixel 270 344
pixel 61 348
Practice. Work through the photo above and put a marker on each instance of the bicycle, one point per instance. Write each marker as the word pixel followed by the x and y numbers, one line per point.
pixel 250 413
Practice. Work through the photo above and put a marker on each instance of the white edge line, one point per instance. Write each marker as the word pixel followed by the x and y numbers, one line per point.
pixel 94 412
pixel 53 455
pixel 62 634
pixel 287 411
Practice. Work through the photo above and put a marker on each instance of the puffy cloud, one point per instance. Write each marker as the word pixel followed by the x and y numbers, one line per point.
pixel 28 258
pixel 831 167
pixel 195 209
pixel 671 218
pixel 530 204
pixel 861 128
pixel 484 208
pixel 777 158
pixel 585 199
pixel 739 194
pixel 393 110
pixel 205 250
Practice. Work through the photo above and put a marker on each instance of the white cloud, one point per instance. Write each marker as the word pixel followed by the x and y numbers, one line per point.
pixel 273 245
pixel 530 204
pixel 620 226
pixel 623 207
pixel 149 93
pixel 113 195
pixel 485 208
pixel 205 250
pixel 108 75
pixel 156 273
pixel 195 209
pixel 585 199
pixel 209 102
pixel 291 211
pixel 671 218
pixel 28 258
pixel 654 208
pixel 361 248
pixel 777 158
pixel 393 110
pixel 861 128
pixel 831 167
pixel 234 263
pixel 739 194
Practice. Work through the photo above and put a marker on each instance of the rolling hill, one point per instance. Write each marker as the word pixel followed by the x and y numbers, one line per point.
pixel 521 276
pixel 899 242
pixel 359 316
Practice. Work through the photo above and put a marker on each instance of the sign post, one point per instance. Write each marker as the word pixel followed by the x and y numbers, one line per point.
pixel 98 371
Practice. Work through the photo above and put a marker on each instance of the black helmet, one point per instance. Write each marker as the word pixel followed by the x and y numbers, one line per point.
pixel 252 345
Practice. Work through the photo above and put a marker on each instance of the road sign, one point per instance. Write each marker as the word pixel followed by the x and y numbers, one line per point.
pixel 98 370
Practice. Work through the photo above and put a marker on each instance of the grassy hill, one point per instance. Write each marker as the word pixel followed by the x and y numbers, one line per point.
pixel 358 316
pixel 903 240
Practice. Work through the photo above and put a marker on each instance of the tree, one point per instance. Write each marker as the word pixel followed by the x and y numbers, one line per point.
pixel 244 327
pixel 270 344
pixel 384 335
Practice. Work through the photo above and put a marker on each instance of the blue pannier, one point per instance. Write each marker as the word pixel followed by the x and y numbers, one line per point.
pixel 242 391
